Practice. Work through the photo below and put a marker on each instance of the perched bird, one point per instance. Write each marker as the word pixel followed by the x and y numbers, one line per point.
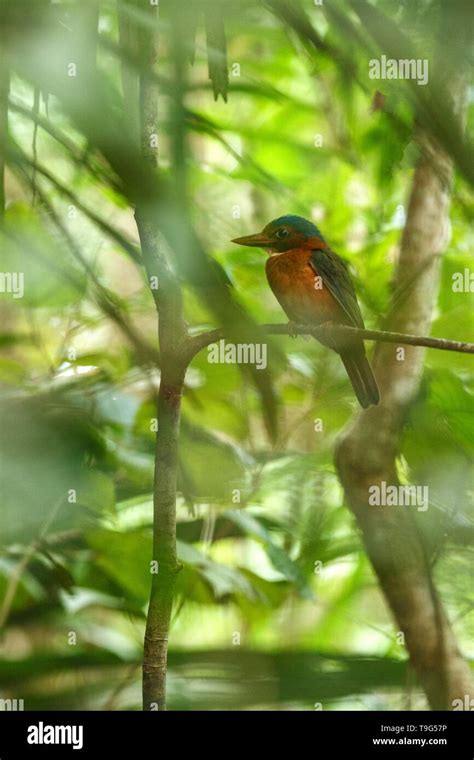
pixel 314 287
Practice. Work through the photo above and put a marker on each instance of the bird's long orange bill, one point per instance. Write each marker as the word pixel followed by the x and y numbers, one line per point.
pixel 258 241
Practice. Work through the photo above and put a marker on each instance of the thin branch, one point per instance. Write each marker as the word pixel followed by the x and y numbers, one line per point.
pixel 18 157
pixel 30 551
pixel 200 341
pixel 83 159
pixel 146 353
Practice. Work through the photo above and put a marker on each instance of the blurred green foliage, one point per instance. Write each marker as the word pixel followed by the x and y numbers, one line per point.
pixel 276 605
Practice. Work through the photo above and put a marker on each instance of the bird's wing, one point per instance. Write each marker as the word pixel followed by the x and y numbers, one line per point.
pixel 336 278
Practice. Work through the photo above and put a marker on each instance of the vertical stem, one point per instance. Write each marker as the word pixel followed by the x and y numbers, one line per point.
pixel 164 544
pixel 172 334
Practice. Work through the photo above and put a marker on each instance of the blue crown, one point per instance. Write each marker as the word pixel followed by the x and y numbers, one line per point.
pixel 298 223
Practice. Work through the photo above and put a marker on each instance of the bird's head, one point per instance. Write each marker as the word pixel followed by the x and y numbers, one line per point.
pixel 284 234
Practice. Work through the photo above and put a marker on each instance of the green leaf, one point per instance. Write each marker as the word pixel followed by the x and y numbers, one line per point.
pixel 216 49
pixel 278 557
pixel 224 581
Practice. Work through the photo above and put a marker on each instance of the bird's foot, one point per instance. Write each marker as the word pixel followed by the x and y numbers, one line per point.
pixel 292 331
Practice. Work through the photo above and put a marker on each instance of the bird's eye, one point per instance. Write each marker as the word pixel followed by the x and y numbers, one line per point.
pixel 281 233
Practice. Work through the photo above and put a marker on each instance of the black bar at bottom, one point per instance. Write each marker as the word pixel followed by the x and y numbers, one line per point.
pixel 130 734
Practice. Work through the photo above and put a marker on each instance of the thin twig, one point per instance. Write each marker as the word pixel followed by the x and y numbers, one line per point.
pixel 30 551
pixel 200 341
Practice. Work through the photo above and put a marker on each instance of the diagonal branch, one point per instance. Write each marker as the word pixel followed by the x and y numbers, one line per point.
pixel 16 157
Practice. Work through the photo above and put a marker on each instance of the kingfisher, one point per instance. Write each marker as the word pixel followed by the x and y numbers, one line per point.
pixel 314 287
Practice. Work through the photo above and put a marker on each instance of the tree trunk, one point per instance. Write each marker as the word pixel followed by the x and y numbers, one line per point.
pixel 366 454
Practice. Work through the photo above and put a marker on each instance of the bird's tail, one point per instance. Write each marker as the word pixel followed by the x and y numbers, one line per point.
pixel 362 378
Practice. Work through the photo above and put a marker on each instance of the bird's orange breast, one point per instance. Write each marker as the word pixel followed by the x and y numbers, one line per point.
pixel 299 289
